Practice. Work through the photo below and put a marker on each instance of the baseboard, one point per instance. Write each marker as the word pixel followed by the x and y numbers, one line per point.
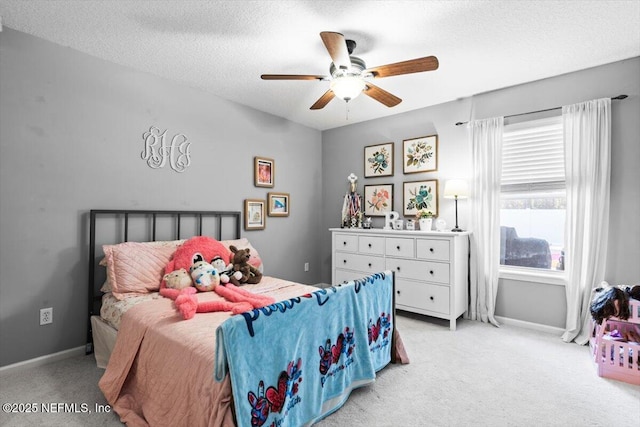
pixel 529 325
pixel 43 360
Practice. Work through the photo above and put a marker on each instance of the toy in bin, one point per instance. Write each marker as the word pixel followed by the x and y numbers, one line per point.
pixel 615 340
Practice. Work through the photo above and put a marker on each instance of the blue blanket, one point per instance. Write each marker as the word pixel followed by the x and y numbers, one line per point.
pixel 296 361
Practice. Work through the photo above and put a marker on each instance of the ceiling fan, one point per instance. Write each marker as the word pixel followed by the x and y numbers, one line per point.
pixel 349 74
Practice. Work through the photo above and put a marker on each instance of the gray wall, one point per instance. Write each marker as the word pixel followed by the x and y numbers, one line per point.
pixel 70 140
pixel 342 153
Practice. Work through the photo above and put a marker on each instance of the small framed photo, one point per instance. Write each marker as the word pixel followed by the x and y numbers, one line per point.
pixel 420 154
pixel 254 218
pixel 278 204
pixel 378 199
pixel 264 171
pixel 378 160
pixel 420 196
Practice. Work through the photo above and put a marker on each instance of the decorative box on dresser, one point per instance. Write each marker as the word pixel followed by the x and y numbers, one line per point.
pixel 431 267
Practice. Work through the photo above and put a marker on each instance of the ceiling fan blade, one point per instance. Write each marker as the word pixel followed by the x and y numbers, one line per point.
pixel 291 77
pixel 337 48
pixel 428 63
pixel 381 95
pixel 324 100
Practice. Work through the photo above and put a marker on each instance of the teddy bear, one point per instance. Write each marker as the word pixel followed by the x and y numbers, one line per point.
pixel 178 279
pixel 197 252
pixel 240 261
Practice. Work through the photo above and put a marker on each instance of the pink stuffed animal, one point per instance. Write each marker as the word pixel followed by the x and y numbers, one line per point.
pixel 196 250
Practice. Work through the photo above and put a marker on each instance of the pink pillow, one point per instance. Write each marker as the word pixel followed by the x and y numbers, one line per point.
pixel 134 267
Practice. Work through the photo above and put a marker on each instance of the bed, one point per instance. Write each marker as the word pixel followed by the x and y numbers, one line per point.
pixel 288 364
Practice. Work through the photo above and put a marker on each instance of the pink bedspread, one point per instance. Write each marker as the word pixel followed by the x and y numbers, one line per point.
pixel 161 371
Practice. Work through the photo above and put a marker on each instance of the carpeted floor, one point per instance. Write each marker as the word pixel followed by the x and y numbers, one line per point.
pixel 478 375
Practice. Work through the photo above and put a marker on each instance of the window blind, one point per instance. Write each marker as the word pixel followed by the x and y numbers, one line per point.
pixel 533 156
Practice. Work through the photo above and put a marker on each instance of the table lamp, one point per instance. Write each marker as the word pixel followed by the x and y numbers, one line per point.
pixel 456 189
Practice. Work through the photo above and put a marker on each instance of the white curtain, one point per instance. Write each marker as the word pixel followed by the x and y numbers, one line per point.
pixel 486 147
pixel 587 143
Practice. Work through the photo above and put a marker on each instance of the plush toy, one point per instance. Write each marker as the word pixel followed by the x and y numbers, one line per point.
pixel 178 279
pixel 205 276
pixel 197 252
pixel 240 261
pixel 199 248
pixel 225 270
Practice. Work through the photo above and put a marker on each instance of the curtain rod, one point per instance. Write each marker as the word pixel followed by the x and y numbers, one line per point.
pixel 541 111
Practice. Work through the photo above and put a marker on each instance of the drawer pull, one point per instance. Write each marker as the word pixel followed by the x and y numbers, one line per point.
pixel 369 244
pixel 398 268
pixel 431 250
pixel 344 243
pixel 398 292
pixel 398 247
pixel 431 298
pixel 369 265
pixel 431 272
pixel 344 261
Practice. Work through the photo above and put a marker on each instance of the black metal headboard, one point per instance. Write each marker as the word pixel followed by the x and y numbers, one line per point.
pixel 111 226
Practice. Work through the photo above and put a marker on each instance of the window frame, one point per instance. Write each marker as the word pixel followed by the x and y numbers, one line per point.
pixel 529 274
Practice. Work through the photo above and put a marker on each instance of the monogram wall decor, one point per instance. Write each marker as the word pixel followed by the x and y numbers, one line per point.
pixel 157 151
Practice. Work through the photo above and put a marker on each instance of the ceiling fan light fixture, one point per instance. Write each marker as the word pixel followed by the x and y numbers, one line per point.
pixel 349 75
pixel 347 87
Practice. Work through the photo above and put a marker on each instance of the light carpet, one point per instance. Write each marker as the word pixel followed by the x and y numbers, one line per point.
pixel 479 375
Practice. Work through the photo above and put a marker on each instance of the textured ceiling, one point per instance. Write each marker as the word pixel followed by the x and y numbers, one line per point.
pixel 223 46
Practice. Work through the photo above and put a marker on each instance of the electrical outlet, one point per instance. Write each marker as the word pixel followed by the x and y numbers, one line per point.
pixel 306 266
pixel 46 316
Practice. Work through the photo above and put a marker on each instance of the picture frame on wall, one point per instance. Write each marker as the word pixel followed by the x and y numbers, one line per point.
pixel 378 199
pixel 420 154
pixel 378 160
pixel 420 196
pixel 254 218
pixel 264 171
pixel 278 204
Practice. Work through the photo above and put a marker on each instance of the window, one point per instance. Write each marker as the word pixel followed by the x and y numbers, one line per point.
pixel 533 195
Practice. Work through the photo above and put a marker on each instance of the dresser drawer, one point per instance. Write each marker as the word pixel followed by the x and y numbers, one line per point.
pixel 399 247
pixel 346 242
pixel 371 245
pixel 419 270
pixel 364 263
pixel 431 249
pixel 423 296
pixel 343 276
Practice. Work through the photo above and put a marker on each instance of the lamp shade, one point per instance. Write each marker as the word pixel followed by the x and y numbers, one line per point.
pixel 456 188
pixel 347 87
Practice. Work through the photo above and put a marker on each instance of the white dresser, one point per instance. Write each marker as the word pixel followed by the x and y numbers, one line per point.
pixel 431 268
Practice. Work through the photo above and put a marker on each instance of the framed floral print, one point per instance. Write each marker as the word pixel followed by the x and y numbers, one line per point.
pixel 278 204
pixel 264 171
pixel 378 160
pixel 420 196
pixel 378 199
pixel 254 218
pixel 420 154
